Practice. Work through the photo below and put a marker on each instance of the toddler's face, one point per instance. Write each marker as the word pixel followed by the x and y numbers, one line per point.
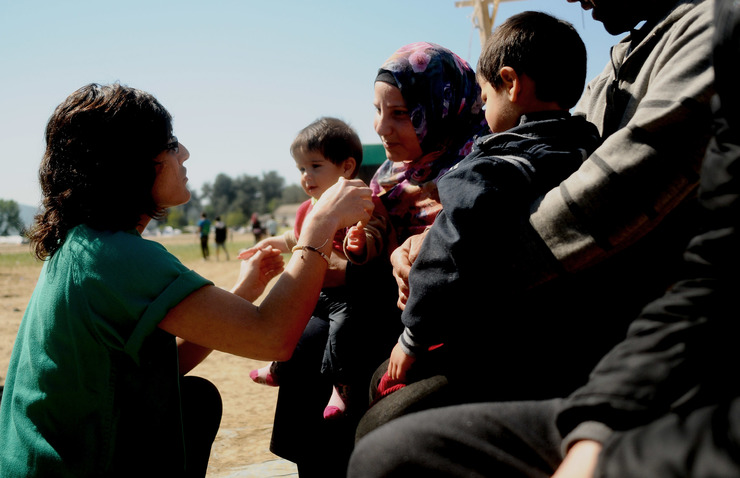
pixel 317 173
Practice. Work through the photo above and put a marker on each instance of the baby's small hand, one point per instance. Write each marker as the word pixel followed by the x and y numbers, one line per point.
pixel 356 239
pixel 247 253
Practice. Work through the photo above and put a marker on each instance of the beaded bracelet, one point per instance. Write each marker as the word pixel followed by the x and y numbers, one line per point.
pixel 312 249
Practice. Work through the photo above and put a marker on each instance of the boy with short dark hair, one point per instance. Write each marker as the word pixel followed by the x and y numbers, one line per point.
pixel 528 86
pixel 546 50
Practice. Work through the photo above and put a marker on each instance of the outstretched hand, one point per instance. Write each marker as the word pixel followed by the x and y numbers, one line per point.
pixel 275 242
pixel 247 253
pixel 258 268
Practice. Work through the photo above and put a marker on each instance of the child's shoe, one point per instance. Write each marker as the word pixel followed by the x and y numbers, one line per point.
pixel 266 375
pixel 337 406
pixel 386 386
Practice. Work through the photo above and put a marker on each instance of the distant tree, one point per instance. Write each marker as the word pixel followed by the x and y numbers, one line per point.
pixel 235 219
pixel 222 194
pixel 10 218
pixel 247 194
pixel 177 218
pixel 249 197
pixel 272 189
pixel 293 194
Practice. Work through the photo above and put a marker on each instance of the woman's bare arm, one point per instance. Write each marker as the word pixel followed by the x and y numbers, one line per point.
pixel 228 321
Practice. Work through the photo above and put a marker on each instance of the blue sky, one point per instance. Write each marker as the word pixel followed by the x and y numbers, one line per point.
pixel 240 78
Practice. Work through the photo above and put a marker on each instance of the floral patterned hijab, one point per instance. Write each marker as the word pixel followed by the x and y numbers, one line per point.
pixel 443 99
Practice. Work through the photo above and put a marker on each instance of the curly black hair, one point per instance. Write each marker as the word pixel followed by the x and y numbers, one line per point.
pixel 99 165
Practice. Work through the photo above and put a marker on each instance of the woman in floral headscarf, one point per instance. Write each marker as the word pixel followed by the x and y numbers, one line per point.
pixel 429 112
pixel 429 89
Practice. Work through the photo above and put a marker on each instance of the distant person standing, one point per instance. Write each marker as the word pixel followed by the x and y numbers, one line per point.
pixel 272 226
pixel 220 230
pixel 257 228
pixel 204 228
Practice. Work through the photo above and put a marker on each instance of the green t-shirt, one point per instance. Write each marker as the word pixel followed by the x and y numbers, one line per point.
pixel 92 385
pixel 205 227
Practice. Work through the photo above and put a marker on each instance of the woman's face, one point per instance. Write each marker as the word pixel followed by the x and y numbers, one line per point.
pixel 393 124
pixel 170 183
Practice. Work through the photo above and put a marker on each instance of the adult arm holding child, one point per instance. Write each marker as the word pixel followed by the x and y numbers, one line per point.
pixel 402 258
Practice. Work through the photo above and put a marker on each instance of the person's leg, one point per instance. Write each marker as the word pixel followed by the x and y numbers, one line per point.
pixel 336 407
pixel 506 439
pixel 201 417
pixel 360 337
pixel 204 246
pixel 334 364
pixel 319 448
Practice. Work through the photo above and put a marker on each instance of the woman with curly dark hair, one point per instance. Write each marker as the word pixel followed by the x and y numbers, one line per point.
pixel 96 383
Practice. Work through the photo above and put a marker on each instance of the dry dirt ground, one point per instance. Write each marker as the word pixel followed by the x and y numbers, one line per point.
pixel 249 408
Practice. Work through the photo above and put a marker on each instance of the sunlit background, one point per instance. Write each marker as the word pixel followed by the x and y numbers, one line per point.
pixel 240 77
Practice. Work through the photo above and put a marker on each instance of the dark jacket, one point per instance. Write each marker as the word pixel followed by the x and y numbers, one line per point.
pixel 465 284
pixel 670 392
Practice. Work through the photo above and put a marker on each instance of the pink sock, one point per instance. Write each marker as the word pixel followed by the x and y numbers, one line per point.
pixel 337 406
pixel 265 375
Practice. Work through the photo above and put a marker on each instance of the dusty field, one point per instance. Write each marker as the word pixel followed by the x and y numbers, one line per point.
pixel 248 408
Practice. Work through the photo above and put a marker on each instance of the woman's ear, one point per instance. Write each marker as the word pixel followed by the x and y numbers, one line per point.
pixel 348 168
pixel 511 82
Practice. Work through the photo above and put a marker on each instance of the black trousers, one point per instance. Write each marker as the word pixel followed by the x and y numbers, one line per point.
pixel 204 246
pixel 502 439
pixel 201 416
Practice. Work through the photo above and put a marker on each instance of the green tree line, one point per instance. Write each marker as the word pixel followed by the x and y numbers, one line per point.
pixel 232 198
pixel 10 218
pixel 235 199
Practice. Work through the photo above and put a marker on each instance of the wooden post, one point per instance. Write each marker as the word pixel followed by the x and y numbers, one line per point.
pixel 483 16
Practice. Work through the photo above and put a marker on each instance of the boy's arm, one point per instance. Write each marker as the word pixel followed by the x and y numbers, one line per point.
pixel 399 363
